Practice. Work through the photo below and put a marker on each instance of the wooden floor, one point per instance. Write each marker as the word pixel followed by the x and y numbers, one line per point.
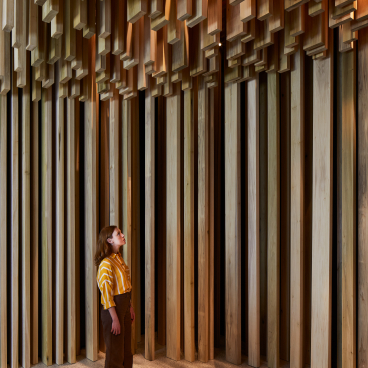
pixel 162 361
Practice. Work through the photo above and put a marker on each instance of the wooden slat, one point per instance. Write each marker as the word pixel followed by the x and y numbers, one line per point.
pixel 203 223
pixel 362 321
pixel 3 229
pixel 189 324
pixel 348 210
pixel 14 226
pixel 214 14
pixel 180 50
pixel 316 32
pixel 57 23
pixel 174 25
pixel 297 21
pixel 8 15
pixel 264 37
pixel 80 14
pixel 184 9
pixel 322 211
pixel 265 9
pixel 91 229
pixel 199 12
pixel 46 172
pixel 276 21
pixel 247 10
pixel 118 27
pixel 90 29
pixel 136 9
pixel 49 10
pixel 150 225
pixel 103 18
pixel 19 23
pixel 69 32
pixel 273 222
pixel 297 211
pixel 234 26
pixel 25 224
pixel 232 223
pixel 173 221
pixel 253 223
pixel 32 20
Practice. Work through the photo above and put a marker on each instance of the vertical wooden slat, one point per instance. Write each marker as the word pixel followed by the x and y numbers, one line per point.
pixel 70 243
pixel 114 158
pixel 60 229
pixel 232 223
pixel 34 230
pixel 189 326
pixel 362 199
pixel 273 223
pixel 253 223
pixel 173 221
pixel 3 229
pixel 7 15
pixel 203 223
pixel 14 225
pixel 150 225
pixel 348 203
pixel 297 211
pixel 26 212
pixel 46 200
pixel 91 229
pixel 322 212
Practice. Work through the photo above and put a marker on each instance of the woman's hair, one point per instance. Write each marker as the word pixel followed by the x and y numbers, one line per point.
pixel 104 248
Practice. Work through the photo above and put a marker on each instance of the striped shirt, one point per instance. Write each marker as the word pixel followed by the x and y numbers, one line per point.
pixel 113 278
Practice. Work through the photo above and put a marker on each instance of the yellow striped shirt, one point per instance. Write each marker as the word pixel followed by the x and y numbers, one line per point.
pixel 113 278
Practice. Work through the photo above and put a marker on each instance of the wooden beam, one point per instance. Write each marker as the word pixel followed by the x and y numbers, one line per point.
pixel 91 229
pixel 150 225
pixel 8 15
pixel 322 211
pixel 273 222
pixel 173 221
pixel 297 211
pixel 136 9
pixel 26 222
pixel 199 12
pixel 189 129
pixel 232 223
pixel 254 357
pixel 348 210
pixel 203 223
pixel 184 9
pixel 46 172
pixel 3 229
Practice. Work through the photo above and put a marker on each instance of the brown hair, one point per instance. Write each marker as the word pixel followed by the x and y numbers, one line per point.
pixel 103 246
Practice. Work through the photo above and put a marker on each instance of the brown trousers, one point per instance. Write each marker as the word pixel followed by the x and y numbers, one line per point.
pixel 118 350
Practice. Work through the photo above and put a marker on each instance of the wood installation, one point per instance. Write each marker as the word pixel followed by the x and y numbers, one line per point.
pixel 79 149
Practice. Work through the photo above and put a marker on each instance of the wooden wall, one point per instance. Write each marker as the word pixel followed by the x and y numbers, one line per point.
pixel 227 139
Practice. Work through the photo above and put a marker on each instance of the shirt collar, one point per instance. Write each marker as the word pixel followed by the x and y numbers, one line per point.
pixel 117 256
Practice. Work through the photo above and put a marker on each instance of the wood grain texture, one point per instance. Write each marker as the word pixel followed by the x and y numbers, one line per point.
pixel 46 172
pixel 297 211
pixel 90 154
pixel 203 223
pixel 252 92
pixel 14 226
pixel 348 210
pixel 26 223
pixel 189 318
pixel 60 223
pixel 3 229
pixel 173 221
pixel 362 203
pixel 232 223
pixel 273 222
pixel 322 212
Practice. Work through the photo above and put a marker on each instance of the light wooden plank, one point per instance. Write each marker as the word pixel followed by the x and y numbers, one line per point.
pixel 136 9
pixel 348 203
pixel 273 222
pixel 103 18
pixel 203 223
pixel 174 25
pixel 8 15
pixel 150 225
pixel 3 229
pixel 234 26
pixel 69 38
pixel 276 21
pixel 253 223
pixel 91 228
pixel 157 8
pixel 49 10
pixel 248 10
pixel 19 23
pixel 32 20
pixel 80 14
pixel 232 223
pixel 199 12
pixel 293 4
pixel 189 324
pixel 46 172
pixel 90 29
pixel 34 230
pixel 57 23
pixel 173 221
pixel 322 211
pixel 180 50
pixel 265 9
pixel 184 9
pixel 214 14
pixel 14 226
pixel 118 27
pixel 297 21
pixel 362 301
pixel 297 211
pixel 5 65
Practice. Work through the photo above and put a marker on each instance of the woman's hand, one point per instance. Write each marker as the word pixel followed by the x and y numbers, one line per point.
pixel 132 314
pixel 115 328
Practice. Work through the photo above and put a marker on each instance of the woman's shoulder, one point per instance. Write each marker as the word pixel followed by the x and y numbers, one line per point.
pixel 106 262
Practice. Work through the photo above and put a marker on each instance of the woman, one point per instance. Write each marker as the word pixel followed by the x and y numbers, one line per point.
pixel 113 280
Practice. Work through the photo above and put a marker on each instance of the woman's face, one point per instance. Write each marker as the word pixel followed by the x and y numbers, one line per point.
pixel 117 240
